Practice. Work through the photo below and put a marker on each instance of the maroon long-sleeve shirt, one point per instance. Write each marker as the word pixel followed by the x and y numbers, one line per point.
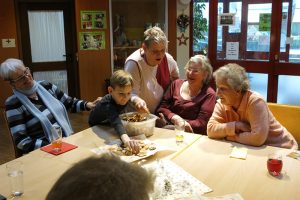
pixel 196 111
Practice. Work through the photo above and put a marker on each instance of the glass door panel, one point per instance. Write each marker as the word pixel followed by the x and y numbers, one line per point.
pixel 47 36
pixel 288 91
pixel 47 42
pixel 200 23
pixel 255 44
pixel 231 33
pixel 258 36
pixel 236 8
pixel 290 32
pixel 57 77
pixel 259 83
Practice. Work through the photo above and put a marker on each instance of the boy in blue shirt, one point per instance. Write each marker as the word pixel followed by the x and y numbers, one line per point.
pixel 113 104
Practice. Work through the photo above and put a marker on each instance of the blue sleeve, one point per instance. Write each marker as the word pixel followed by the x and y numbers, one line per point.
pixel 106 112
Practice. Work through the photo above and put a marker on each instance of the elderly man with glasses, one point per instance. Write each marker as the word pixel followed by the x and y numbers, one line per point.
pixel 35 107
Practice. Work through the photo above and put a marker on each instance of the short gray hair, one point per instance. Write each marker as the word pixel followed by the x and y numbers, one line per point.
pixel 205 66
pixel 9 66
pixel 235 76
pixel 154 35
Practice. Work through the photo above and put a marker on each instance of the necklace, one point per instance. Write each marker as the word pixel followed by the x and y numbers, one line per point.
pixel 192 94
pixel 186 91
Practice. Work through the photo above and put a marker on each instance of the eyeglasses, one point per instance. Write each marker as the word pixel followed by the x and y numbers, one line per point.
pixel 157 52
pixel 22 77
pixel 193 70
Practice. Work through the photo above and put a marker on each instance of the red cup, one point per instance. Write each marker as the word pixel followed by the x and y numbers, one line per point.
pixel 274 164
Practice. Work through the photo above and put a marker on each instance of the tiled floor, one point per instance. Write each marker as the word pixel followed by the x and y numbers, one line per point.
pixel 79 122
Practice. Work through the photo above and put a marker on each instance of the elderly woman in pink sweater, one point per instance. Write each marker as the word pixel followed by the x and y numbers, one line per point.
pixel 242 115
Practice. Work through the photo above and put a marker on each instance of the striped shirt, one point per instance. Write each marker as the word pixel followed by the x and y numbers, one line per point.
pixel 25 128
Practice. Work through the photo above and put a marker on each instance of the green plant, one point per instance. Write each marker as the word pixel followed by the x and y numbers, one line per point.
pixel 200 25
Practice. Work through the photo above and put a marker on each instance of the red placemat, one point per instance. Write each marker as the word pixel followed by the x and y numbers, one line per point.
pixel 64 148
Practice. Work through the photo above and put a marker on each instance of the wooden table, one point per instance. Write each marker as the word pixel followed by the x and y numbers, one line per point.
pixel 41 169
pixel 208 160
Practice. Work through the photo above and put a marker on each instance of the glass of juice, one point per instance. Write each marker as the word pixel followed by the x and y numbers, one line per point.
pixel 274 164
pixel 56 138
pixel 179 130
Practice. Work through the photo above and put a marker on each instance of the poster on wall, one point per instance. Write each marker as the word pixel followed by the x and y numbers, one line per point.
pixel 92 40
pixel 232 50
pixel 93 19
pixel 264 22
pixel 226 19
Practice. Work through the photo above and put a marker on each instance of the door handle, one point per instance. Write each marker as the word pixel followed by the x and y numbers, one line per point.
pixel 68 56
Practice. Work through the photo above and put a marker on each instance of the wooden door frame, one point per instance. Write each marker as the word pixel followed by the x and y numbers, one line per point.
pixel 70 29
pixel 272 67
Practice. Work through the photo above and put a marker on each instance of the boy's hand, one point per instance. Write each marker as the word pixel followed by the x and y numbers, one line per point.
pixel 132 144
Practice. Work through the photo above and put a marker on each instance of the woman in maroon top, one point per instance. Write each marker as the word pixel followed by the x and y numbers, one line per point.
pixel 191 99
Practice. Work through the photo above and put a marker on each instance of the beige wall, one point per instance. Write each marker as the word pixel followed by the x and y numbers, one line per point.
pixel 183 50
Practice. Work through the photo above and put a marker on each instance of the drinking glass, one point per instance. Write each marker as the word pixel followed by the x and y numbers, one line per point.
pixel 56 138
pixel 15 173
pixel 274 164
pixel 179 130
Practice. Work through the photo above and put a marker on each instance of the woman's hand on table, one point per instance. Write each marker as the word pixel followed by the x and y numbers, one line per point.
pixel 161 121
pixel 231 138
pixel 241 127
pixel 188 127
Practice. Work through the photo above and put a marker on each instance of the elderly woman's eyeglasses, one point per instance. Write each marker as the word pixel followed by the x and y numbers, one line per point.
pixel 22 77
pixel 158 52
pixel 193 70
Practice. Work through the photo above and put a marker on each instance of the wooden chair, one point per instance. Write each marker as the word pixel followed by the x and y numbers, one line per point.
pixel 17 152
pixel 288 116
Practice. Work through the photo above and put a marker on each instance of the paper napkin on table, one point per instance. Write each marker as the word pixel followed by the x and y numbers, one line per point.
pixel 239 152
pixel 235 196
pixel 295 155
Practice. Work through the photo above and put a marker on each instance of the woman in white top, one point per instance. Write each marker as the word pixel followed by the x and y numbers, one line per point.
pixel 152 68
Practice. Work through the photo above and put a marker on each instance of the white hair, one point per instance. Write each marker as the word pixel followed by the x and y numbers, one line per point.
pixel 205 66
pixel 235 76
pixel 9 66
pixel 154 35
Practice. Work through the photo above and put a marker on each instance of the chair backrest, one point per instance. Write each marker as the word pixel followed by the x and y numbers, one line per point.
pixel 17 152
pixel 288 116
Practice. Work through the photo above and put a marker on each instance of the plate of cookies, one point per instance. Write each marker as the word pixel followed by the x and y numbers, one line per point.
pixel 147 148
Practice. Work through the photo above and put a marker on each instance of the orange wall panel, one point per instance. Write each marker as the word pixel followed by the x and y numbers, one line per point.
pixel 8 30
pixel 94 66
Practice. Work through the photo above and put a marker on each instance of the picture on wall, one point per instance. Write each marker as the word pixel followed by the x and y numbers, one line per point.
pixel 93 19
pixel 92 40
pixel 226 19
pixel 264 22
